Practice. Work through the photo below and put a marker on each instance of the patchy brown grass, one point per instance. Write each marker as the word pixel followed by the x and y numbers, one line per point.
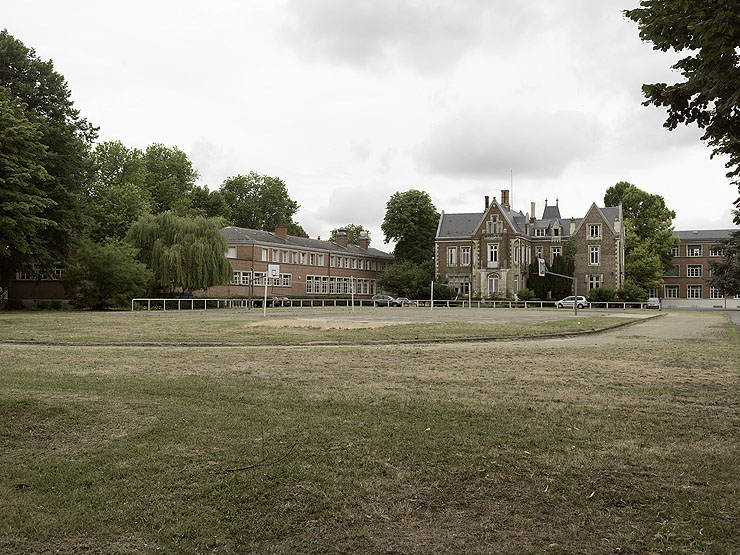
pixel 626 446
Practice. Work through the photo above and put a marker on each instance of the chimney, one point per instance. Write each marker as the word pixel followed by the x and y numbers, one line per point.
pixel 572 226
pixel 487 202
pixel 364 242
pixel 617 225
pixel 341 239
pixel 532 217
pixel 505 198
pixel 281 231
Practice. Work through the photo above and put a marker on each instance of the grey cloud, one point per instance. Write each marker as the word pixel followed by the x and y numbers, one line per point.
pixel 430 35
pixel 489 143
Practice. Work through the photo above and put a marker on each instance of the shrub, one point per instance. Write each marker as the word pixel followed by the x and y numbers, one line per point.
pixel 526 294
pixel 631 292
pixel 601 295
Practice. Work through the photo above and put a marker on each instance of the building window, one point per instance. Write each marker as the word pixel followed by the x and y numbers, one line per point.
pixel 275 255
pixel 594 255
pixel 693 250
pixel 716 251
pixel 693 292
pixel 346 262
pixel 331 260
pixel 539 232
pixel 493 254
pixel 465 256
pixel 670 291
pixel 715 293
pixel 492 284
pixel 516 285
pixel 285 256
pixel 303 258
pixel 235 279
pixel 259 278
pixel 265 255
pixel 539 252
pixel 231 252
pixel 652 292
pixel 452 256
pixel 245 278
pixel 594 231
pixel 294 256
pixel 354 263
pixel 674 271
pixel 674 251
pixel 529 255
pixel 693 270
pixel 556 231
pixel 594 282
pixel 494 226
pixel 516 255
pixel 321 259
pixel 555 251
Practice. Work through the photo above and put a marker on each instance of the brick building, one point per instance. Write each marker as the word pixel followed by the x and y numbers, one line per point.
pixel 490 252
pixel 686 284
pixel 307 266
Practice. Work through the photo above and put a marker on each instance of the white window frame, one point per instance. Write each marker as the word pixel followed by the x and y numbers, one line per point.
pixel 465 256
pixel 594 281
pixel 265 255
pixel 555 251
pixel 671 291
pixel 594 231
pixel 594 255
pixel 452 256
pixel 694 270
pixel 693 250
pixel 694 291
pixel 715 293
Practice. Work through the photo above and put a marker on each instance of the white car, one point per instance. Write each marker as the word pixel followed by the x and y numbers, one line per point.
pixel 567 302
pixel 653 302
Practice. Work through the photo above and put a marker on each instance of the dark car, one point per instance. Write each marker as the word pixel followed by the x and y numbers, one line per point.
pixel 384 300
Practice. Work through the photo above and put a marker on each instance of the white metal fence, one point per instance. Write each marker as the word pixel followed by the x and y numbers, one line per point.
pixel 206 303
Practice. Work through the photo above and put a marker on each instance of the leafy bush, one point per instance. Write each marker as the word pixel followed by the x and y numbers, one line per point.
pixel 106 275
pixel 631 292
pixel 526 294
pixel 601 295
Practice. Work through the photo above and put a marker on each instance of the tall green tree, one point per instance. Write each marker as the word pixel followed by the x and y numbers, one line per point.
pixel 259 201
pixel 725 275
pixel 184 253
pixel 169 178
pixel 117 194
pixel 23 202
pixel 709 93
pixel 648 225
pixel 354 232
pixel 411 220
pixel 207 203
pixel 43 97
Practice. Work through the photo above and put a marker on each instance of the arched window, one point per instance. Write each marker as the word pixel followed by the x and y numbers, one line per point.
pixel 492 284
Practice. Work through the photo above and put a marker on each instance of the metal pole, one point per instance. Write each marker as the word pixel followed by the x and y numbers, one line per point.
pixel 432 299
pixel 264 303
pixel 575 296
pixel 352 278
pixel 251 281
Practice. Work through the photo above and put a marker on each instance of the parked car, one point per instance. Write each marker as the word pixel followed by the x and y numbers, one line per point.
pixel 653 302
pixel 385 300
pixel 567 302
pixel 406 302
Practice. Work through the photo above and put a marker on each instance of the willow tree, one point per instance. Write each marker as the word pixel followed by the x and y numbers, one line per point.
pixel 183 253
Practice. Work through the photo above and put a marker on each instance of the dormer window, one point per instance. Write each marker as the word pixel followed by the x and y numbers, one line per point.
pixel 539 232
pixel 493 225
pixel 556 231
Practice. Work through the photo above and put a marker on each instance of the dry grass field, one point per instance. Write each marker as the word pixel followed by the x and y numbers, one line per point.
pixel 621 442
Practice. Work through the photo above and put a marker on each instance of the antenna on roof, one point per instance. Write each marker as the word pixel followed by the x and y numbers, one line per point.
pixel 511 187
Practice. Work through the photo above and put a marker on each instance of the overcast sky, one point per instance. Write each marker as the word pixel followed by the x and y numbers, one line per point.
pixel 349 101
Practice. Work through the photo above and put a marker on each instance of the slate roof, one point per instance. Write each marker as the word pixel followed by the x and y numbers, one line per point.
pixel 704 234
pixel 464 225
pixel 241 235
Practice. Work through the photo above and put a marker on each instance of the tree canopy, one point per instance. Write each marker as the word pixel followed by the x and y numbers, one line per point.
pixel 185 253
pixel 39 118
pixel 648 230
pixel 411 220
pixel 709 94
pixel 354 232
pixel 169 178
pixel 258 201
